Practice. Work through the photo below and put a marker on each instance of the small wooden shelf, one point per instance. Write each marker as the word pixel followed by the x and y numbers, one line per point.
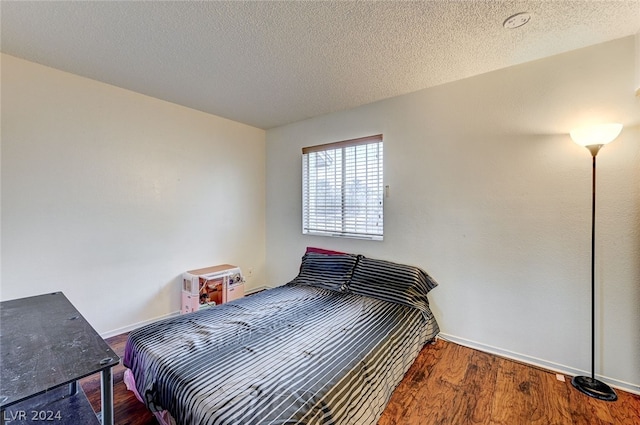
pixel 210 286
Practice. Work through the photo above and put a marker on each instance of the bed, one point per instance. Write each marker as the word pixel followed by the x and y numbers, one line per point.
pixel 329 347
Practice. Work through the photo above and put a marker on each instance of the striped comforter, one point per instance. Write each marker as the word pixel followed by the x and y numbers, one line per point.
pixel 295 354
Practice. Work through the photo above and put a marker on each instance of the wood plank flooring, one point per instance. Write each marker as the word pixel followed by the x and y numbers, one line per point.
pixel 447 384
pixel 127 409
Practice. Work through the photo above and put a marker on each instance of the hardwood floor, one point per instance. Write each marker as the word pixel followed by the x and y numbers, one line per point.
pixel 127 409
pixel 451 384
pixel 447 384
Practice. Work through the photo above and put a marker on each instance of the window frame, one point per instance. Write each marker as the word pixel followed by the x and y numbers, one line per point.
pixel 350 169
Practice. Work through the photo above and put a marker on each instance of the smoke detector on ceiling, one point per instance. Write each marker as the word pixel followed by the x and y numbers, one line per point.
pixel 517 20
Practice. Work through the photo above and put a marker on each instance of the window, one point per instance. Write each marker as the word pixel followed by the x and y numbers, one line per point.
pixel 342 189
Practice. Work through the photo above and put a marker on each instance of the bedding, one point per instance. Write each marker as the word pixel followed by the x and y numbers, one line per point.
pixel 295 354
pixel 330 271
pixel 323 250
pixel 399 283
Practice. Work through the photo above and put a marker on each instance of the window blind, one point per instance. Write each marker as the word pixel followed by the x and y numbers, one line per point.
pixel 342 185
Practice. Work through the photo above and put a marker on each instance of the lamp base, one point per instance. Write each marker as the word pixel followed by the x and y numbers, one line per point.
pixel 594 388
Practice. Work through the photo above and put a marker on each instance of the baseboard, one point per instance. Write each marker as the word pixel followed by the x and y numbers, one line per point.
pixel 129 328
pixel 256 290
pixel 544 364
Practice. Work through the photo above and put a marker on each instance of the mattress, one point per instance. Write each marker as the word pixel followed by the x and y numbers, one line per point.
pixel 296 354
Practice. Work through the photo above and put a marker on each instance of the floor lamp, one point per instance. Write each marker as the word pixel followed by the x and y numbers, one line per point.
pixel 593 138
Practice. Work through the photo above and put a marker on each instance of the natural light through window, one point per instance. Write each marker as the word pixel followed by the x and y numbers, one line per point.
pixel 342 185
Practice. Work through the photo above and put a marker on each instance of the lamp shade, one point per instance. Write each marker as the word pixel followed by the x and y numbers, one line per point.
pixel 599 134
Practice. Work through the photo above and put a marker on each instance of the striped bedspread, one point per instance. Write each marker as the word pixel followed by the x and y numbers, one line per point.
pixel 291 355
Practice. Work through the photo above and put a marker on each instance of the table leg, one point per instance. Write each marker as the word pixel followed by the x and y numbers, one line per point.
pixel 73 388
pixel 106 380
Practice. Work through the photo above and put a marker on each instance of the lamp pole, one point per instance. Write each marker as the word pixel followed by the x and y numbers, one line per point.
pixel 590 385
pixel 594 153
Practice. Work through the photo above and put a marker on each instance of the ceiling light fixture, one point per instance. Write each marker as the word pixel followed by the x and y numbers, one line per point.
pixel 517 20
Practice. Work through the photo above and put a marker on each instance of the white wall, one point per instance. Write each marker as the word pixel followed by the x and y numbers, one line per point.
pixel 109 195
pixel 489 194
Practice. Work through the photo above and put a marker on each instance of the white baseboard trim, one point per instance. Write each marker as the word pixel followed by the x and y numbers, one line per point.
pixel 129 328
pixel 258 289
pixel 534 361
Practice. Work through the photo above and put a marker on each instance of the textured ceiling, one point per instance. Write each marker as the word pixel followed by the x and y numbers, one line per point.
pixel 271 63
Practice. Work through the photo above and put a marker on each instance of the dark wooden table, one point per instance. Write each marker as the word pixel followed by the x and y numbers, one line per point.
pixel 46 346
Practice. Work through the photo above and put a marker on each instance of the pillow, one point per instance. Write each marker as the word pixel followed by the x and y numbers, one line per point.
pixel 323 251
pixel 329 271
pixel 387 281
